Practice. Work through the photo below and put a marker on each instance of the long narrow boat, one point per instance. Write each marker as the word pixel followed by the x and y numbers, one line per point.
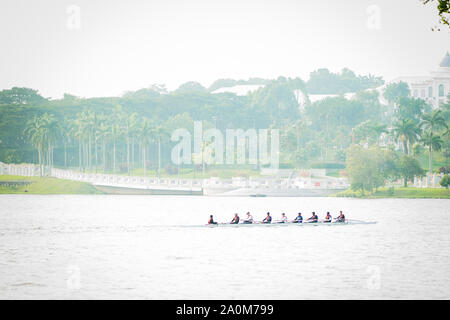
pixel 275 224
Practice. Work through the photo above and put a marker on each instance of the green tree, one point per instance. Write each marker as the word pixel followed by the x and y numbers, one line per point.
pixel 443 7
pixel 445 181
pixel 394 91
pixel 103 134
pixel 145 134
pixel 161 134
pixel 408 168
pixel 410 108
pixel 369 131
pixel 191 87
pixel 43 133
pixel 434 143
pixel 406 131
pixel 368 169
pixel 21 96
pixel 432 122
pixel 35 133
pixel 322 81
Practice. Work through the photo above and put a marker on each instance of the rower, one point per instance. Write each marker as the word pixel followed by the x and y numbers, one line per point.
pixel 249 218
pixel 235 219
pixel 268 218
pixel 328 217
pixel 299 218
pixel 284 219
pixel 341 217
pixel 211 220
pixel 314 218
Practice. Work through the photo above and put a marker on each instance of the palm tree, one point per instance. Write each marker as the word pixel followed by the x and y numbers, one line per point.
pixel 145 132
pixel 129 122
pixel 117 120
pixel 431 122
pixel 93 127
pixel 78 133
pixel 83 133
pixel 52 132
pixel 102 135
pixel 35 133
pixel 407 132
pixel 434 142
pixel 376 130
pixel 83 130
pixel 43 132
pixel 160 134
pixel 66 132
pixel 133 132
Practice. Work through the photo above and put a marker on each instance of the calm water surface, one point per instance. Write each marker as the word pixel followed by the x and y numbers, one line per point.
pixel 83 247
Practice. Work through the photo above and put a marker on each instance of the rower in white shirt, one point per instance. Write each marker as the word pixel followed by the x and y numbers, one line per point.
pixel 249 218
pixel 284 219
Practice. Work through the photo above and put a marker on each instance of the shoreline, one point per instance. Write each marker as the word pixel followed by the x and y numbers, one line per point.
pixel 49 185
pixel 397 193
pixel 44 186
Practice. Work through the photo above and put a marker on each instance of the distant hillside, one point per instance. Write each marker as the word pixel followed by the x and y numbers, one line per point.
pixel 322 81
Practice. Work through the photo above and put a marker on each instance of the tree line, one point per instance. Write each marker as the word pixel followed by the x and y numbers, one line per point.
pixel 121 134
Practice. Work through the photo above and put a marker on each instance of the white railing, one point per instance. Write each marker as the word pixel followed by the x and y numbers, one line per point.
pixel 26 169
pixel 210 183
pixel 431 180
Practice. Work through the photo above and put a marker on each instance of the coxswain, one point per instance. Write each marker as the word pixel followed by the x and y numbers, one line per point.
pixel 211 220
pixel 235 219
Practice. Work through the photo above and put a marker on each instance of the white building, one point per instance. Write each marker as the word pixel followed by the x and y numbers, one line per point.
pixel 436 88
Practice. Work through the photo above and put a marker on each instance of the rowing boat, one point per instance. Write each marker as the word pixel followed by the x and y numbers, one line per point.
pixel 275 224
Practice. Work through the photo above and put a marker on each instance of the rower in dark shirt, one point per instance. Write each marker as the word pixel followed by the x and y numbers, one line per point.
pixel 268 218
pixel 211 220
pixel 328 218
pixel 235 219
pixel 314 218
pixel 341 217
pixel 298 219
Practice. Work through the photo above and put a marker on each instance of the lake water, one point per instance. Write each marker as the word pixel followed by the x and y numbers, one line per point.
pixel 109 247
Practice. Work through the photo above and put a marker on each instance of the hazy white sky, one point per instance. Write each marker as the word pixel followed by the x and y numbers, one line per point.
pixel 126 45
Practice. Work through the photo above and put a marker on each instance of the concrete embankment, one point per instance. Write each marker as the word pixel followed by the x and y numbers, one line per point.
pixel 147 191
pixel 273 192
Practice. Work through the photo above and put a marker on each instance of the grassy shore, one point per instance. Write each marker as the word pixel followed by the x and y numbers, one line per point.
pixel 45 185
pixel 431 193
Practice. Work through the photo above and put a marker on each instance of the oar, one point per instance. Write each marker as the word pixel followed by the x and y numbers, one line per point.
pixel 354 220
